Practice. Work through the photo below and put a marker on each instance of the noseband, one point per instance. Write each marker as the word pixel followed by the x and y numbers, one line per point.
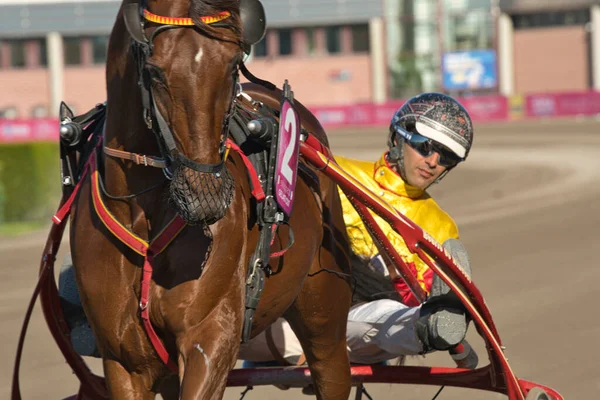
pixel 142 48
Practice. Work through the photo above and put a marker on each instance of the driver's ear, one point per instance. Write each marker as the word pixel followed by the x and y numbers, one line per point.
pixel 396 151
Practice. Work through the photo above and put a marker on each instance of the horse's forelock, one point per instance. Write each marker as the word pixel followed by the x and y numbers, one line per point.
pixel 200 8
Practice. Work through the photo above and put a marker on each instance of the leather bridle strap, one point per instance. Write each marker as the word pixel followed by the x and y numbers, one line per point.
pixel 139 159
pixel 143 48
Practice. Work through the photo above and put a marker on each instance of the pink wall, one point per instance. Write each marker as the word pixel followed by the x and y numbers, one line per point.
pixel 85 87
pixel 340 79
pixel 551 59
pixel 24 89
pixel 28 88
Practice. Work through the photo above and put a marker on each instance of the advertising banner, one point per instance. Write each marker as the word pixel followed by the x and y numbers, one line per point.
pixel 18 131
pixel 469 70
pixel 562 104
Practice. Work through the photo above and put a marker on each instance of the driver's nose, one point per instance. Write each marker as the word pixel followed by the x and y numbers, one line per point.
pixel 433 159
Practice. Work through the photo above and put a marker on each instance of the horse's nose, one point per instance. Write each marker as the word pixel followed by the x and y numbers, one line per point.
pixel 200 196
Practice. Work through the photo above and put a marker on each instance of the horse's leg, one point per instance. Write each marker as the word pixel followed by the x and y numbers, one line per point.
pixel 207 363
pixel 122 384
pixel 319 317
pixel 209 351
pixel 169 388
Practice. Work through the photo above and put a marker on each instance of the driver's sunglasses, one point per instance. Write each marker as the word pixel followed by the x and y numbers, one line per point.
pixel 426 147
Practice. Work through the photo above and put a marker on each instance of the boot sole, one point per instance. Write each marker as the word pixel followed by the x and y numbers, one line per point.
pixel 448 328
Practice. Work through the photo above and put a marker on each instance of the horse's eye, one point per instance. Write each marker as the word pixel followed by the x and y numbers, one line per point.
pixel 155 74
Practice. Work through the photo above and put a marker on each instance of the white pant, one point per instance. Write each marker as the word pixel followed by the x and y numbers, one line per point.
pixel 377 331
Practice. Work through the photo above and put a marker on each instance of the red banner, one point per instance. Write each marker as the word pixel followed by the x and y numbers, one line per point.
pixel 481 109
pixel 32 130
pixel 562 104
pixel 486 108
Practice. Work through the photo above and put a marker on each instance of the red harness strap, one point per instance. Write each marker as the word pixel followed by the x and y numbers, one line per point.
pixel 65 210
pixel 164 238
pixel 143 248
pixel 134 242
pixel 257 190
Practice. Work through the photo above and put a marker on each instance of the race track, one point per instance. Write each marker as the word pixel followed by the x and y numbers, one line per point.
pixel 527 206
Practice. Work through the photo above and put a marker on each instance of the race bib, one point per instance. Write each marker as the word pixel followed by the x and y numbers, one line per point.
pixel 287 157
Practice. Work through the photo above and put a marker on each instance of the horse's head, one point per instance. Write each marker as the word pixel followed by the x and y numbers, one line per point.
pixel 188 54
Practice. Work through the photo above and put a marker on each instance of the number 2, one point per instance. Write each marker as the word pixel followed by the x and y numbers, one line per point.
pixel 291 126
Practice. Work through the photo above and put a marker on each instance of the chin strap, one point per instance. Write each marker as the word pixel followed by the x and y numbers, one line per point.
pixel 396 156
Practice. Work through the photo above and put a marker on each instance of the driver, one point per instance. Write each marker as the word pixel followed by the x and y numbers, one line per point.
pixel 429 136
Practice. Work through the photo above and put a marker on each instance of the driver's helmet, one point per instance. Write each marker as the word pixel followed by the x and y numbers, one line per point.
pixel 437 117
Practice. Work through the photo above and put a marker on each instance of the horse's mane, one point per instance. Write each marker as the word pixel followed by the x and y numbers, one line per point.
pixel 200 8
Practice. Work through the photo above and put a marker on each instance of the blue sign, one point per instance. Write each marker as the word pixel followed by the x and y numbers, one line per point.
pixel 468 70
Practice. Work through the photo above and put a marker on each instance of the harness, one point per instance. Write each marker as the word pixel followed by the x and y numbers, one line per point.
pixel 148 250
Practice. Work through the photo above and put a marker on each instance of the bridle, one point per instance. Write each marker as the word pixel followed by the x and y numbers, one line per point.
pixel 135 15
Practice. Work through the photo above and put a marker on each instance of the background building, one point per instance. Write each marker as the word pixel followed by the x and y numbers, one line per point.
pixel 549 45
pixel 333 52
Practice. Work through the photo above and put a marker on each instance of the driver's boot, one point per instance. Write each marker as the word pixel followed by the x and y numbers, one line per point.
pixel 442 323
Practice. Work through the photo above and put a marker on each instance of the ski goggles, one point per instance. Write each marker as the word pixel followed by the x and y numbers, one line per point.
pixel 426 147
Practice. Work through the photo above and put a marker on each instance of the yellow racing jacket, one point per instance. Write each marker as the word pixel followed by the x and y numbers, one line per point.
pixel 412 202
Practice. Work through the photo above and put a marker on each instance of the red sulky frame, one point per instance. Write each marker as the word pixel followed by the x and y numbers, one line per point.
pixel 496 377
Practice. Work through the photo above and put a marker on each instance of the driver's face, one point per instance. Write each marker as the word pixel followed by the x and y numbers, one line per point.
pixel 421 171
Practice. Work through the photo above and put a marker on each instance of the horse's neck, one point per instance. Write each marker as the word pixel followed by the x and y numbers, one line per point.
pixel 125 130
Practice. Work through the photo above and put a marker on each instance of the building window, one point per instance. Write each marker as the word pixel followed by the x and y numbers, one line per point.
pixel 360 38
pixel 552 18
pixel 311 44
pixel 39 111
pixel 333 39
pixel 468 29
pixel 72 51
pixel 285 42
pixel 17 53
pixel 43 52
pixel 260 49
pixel 9 112
pixel 99 49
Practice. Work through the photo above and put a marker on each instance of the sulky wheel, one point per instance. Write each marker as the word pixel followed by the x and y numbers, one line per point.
pixel 537 394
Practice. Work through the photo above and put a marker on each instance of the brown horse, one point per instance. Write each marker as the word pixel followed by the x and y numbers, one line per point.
pixel 197 295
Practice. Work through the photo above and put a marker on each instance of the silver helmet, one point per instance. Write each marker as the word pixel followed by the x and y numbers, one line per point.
pixel 435 116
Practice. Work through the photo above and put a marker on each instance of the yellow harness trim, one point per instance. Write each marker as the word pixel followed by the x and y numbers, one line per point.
pixel 208 19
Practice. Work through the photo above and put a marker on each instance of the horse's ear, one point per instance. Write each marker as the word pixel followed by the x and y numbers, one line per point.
pixel 254 21
pixel 133 22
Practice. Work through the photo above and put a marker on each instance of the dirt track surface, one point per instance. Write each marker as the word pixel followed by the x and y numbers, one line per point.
pixel 527 206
